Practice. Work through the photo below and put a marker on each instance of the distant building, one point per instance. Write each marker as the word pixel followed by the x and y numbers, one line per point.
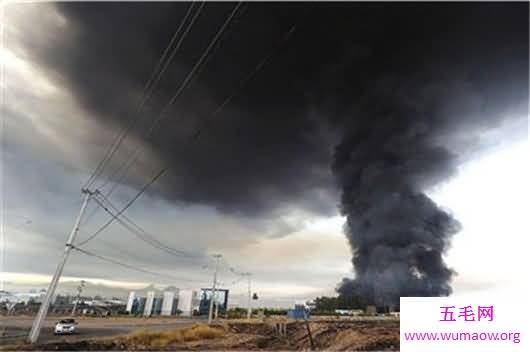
pixel 300 311
pixel 157 306
pixel 220 300
pixel 150 299
pixel 188 301
pixel 114 301
pixel 135 304
pixel 169 303
pixel 139 305
pixel 61 300
pixel 130 302
pixel 349 312
pixel 165 303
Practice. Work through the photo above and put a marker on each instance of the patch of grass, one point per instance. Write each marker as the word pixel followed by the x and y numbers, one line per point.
pixel 199 332
pixel 143 337
pixel 160 339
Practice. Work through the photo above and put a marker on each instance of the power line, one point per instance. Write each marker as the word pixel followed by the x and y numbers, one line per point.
pixel 203 56
pixel 157 79
pixel 114 247
pixel 247 78
pixel 261 63
pixel 142 190
pixel 126 166
pixel 239 274
pixel 179 43
pixel 147 89
pixel 134 156
pixel 129 220
pixel 132 267
pixel 252 73
pixel 244 81
pixel 234 282
pixel 129 255
pixel 258 67
pixel 37 324
pixel 146 93
pixel 145 236
pixel 165 66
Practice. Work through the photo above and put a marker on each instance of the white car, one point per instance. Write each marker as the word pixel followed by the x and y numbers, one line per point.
pixel 65 326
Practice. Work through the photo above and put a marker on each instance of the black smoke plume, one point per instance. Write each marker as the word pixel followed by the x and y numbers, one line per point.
pixel 397 233
pixel 400 135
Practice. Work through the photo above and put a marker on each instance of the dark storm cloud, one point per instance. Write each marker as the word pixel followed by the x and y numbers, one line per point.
pixel 397 91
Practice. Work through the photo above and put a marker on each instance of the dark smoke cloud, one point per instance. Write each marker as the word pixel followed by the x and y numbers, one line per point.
pixel 385 162
pixel 398 90
pixel 263 156
pixel 397 145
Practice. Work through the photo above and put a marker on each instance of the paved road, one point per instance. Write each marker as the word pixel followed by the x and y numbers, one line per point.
pixel 89 328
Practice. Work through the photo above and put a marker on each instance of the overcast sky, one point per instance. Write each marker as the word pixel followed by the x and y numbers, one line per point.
pixel 258 185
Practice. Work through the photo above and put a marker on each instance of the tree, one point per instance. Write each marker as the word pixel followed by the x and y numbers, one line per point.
pixel 325 303
pixel 348 300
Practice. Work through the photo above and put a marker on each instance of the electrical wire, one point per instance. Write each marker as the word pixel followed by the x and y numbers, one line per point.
pixel 207 123
pixel 146 92
pixel 137 152
pixel 140 192
pixel 145 236
pixel 132 267
pixel 235 282
pixel 241 275
pixel 159 76
pixel 247 78
pixel 243 82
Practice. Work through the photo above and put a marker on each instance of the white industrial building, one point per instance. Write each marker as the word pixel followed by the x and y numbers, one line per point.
pixel 169 303
pixel 188 301
pixel 150 299
pixel 130 302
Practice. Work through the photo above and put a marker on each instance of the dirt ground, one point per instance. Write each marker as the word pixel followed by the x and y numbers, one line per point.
pixel 358 335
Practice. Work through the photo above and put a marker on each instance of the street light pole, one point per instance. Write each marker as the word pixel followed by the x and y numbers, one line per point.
pixel 212 296
pixel 45 305
pixel 216 307
pixel 79 290
pixel 249 307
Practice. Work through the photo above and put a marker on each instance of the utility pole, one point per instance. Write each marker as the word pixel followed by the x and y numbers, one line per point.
pixel 249 304
pixel 216 307
pixel 45 305
pixel 212 296
pixel 79 290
